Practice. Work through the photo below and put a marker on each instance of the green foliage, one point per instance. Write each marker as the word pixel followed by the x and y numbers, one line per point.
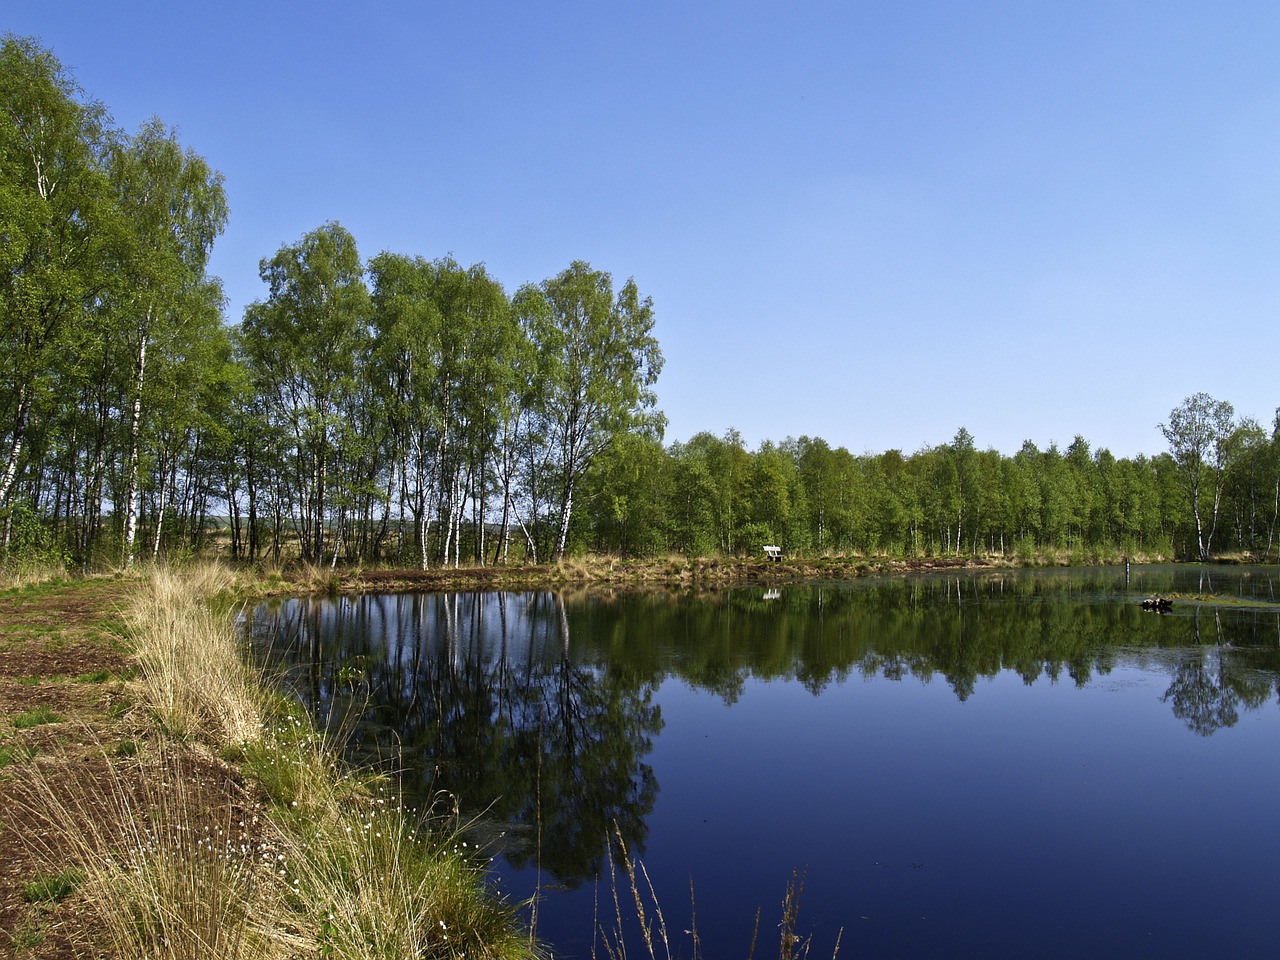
pixel 597 363
pixel 305 347
pixel 407 409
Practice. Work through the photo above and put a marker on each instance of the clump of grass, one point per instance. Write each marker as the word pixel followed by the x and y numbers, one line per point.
pixel 166 874
pixel 35 717
pixel 346 871
pixel 194 677
pixel 19 572
pixel 14 753
pixel 377 882
pixel 29 934
pixel 296 767
pixel 52 887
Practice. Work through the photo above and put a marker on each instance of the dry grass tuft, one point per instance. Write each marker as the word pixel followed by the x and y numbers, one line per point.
pixel 193 674
pixel 385 885
pixel 332 866
pixel 18 572
pixel 172 865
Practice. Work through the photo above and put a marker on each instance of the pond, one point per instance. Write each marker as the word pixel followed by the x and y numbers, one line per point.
pixel 987 764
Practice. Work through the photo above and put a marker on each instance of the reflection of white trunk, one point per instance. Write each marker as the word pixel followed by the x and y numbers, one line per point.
pixel 564 625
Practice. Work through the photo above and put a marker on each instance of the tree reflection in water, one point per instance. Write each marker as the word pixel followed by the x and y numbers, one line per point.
pixel 1210 682
pixel 528 739
pixel 537 710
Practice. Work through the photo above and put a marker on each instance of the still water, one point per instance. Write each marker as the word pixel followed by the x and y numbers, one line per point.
pixel 995 764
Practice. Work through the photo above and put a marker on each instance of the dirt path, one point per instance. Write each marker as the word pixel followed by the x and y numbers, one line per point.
pixel 62 699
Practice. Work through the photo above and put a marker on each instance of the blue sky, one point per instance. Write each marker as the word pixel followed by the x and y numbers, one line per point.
pixel 872 222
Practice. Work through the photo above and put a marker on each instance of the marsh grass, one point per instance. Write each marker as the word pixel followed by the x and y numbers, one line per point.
pixel 194 677
pixel 388 883
pixel 25 571
pixel 168 867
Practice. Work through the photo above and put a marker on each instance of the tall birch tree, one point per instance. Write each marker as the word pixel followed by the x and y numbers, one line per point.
pixel 175 207
pixel 306 344
pixel 1198 431
pixel 598 363
pixel 56 222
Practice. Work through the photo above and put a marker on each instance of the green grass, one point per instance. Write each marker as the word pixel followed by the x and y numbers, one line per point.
pixel 37 680
pixel 35 717
pixel 97 676
pixel 29 935
pixel 52 888
pixel 26 588
pixel 14 753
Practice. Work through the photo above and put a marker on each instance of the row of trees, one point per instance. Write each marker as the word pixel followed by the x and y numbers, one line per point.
pixel 1219 486
pixel 108 315
pixel 406 407
pixel 410 410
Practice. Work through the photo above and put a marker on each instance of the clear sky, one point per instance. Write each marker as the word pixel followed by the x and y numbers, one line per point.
pixel 872 222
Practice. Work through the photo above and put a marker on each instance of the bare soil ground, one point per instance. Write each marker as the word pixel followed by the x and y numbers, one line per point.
pixel 65 719
pixel 62 671
pixel 61 662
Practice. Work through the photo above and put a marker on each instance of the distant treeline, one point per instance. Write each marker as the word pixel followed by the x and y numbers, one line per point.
pixel 711 495
pixel 411 411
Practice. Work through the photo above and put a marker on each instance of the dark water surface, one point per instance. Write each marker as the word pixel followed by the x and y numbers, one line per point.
pixel 1011 764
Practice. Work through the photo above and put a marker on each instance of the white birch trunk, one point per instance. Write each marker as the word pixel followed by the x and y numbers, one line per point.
pixel 15 446
pixel 160 508
pixel 135 429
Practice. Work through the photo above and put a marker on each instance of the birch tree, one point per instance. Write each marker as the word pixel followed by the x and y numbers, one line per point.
pixel 56 221
pixel 598 363
pixel 306 344
pixel 1197 432
pixel 175 207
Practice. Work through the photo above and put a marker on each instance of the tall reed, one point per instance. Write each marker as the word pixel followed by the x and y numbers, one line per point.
pixel 643 914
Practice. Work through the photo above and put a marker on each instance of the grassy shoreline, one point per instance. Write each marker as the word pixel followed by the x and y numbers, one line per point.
pixel 230 828
pixel 673 571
